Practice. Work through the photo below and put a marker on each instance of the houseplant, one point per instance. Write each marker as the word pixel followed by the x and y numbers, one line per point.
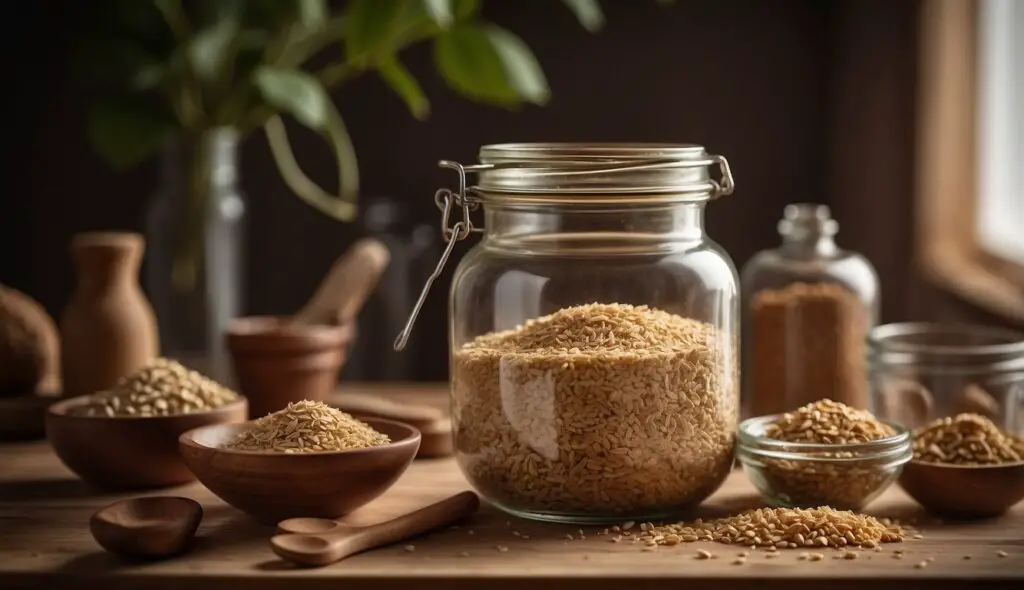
pixel 201 76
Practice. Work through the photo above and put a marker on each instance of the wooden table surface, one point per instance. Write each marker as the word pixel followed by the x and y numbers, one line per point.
pixel 45 543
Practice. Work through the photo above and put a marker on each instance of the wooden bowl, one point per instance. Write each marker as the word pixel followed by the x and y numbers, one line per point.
pixel 277 362
pixel 151 527
pixel 273 486
pixel 964 492
pixel 129 453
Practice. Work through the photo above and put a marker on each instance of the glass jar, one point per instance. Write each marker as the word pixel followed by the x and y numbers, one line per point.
pixel 808 306
pixel 593 331
pixel 922 372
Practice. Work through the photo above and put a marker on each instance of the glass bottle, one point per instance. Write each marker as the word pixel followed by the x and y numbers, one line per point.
pixel 808 307
pixel 593 330
pixel 199 173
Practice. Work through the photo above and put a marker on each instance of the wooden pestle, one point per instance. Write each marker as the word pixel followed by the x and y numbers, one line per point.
pixel 324 548
pixel 348 284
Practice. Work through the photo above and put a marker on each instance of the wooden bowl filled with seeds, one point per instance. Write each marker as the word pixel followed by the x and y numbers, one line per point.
pixel 309 459
pixel 965 467
pixel 127 437
pixel 822 454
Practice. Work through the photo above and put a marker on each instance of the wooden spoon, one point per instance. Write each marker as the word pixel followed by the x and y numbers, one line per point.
pixel 318 542
pixel 348 283
pixel 150 527
pixel 434 427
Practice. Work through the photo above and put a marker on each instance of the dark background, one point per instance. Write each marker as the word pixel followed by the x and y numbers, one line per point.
pixel 809 100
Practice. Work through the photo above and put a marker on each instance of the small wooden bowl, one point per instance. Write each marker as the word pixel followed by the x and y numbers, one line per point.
pixel 273 486
pixel 964 492
pixel 129 453
pixel 152 527
pixel 277 362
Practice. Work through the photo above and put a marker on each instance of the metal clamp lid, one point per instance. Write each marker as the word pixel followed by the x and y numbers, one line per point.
pixel 560 169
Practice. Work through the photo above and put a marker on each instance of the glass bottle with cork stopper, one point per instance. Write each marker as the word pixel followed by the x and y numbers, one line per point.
pixel 808 306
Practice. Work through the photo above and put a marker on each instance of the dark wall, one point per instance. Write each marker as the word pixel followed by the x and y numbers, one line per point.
pixel 809 100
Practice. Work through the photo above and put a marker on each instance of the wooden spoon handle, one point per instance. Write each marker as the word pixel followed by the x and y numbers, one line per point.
pixel 324 549
pixel 373 406
pixel 348 283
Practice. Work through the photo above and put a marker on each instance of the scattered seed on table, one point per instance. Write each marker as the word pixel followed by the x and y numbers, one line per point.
pixel 918 536
pixel 739 561
pixel 410 548
pixel 742 554
pixel 921 565
pixel 627 525
pixel 703 554
pixel 650 548
pixel 770 555
pixel 850 555
pixel 569 537
pixel 524 536
pixel 1002 553
pixel 803 556
pixel 967 556
pixel 502 548
pixel 464 554
pixel 817 557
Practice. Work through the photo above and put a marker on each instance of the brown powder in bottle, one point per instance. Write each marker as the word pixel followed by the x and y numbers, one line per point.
pixel 808 344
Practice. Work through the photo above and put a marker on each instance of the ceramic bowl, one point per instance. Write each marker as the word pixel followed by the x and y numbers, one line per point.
pixel 808 475
pixel 272 486
pixel 276 362
pixel 129 452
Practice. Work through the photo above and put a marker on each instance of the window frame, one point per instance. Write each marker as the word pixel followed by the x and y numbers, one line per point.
pixel 950 254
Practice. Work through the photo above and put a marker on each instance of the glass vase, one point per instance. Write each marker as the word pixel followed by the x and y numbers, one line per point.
pixel 195 231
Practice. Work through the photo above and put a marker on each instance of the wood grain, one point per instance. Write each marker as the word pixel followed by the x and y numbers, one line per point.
pixel 45 543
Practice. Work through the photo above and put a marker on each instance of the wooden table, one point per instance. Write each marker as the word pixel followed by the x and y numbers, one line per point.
pixel 45 543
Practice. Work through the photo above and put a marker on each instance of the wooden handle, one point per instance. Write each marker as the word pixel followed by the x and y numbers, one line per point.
pixel 324 549
pixel 373 406
pixel 349 282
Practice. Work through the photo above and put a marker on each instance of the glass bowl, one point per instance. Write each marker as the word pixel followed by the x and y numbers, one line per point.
pixel 808 475
pixel 921 372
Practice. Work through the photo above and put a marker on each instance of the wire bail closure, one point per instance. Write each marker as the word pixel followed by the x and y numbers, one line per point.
pixel 465 199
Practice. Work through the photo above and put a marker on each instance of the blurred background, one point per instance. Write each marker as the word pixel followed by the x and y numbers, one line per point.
pixel 810 101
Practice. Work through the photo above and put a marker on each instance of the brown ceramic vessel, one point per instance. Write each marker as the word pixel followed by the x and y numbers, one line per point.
pixel 129 452
pixel 150 527
pixel 277 361
pixel 272 486
pixel 108 329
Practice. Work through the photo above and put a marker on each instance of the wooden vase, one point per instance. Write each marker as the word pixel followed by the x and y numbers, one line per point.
pixel 108 329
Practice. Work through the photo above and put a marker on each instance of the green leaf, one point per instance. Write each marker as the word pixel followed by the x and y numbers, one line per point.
pixel 369 26
pixel 405 86
pixel 313 13
pixel 588 12
pixel 295 92
pixel 211 50
pixel 440 12
pixel 464 10
pixel 471 65
pixel 521 68
pixel 126 132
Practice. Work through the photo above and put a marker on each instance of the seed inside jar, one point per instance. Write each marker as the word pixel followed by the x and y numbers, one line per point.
pixel 599 408
pixel 967 439
pixel 307 427
pixel 825 483
pixel 162 387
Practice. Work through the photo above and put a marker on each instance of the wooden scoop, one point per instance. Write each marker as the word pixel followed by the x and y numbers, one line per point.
pixel 318 541
pixel 347 285
pixel 150 527
pixel 435 428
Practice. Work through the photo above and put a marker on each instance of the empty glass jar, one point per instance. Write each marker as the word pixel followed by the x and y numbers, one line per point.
pixel 593 337
pixel 808 306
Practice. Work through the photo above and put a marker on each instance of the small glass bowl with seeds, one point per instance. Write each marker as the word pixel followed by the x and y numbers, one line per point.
pixel 822 454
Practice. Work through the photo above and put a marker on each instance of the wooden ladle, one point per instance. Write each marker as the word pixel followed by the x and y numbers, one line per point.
pixel 346 286
pixel 319 542
pixel 150 527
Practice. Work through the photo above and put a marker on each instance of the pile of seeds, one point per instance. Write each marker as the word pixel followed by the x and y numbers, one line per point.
pixel 161 388
pixel 308 427
pixel 806 339
pixel 781 528
pixel 828 482
pixel 967 439
pixel 599 408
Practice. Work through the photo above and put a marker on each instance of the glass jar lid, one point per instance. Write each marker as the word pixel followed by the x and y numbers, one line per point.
pixel 598 170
